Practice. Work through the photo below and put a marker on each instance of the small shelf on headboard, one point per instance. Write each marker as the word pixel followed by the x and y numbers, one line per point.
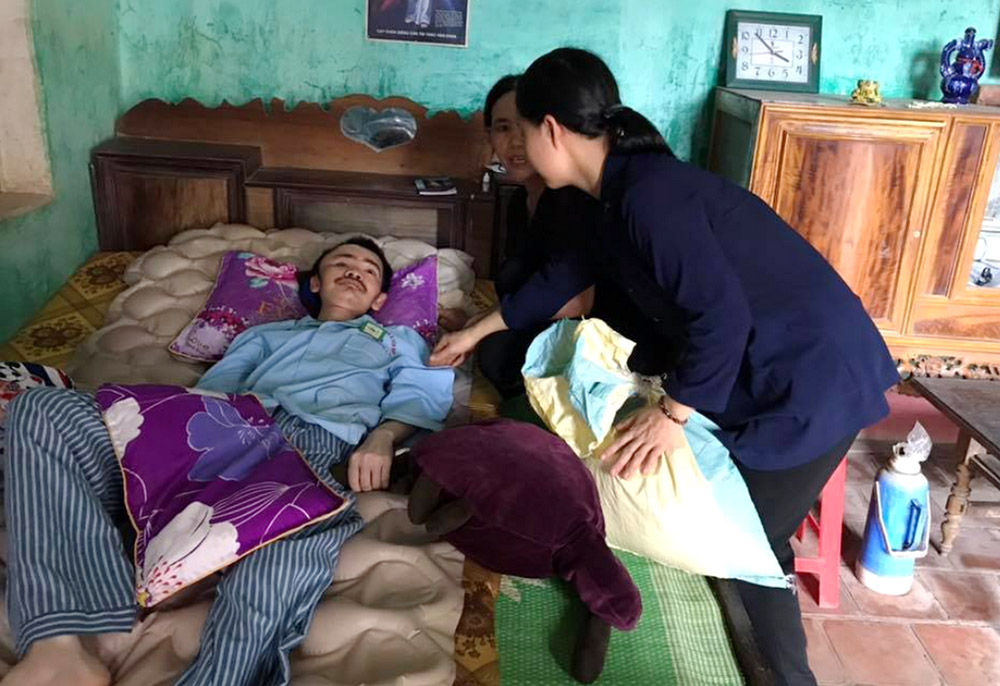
pixel 326 200
pixel 360 183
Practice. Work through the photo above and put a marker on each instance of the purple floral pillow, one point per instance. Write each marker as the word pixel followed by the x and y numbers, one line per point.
pixel 413 299
pixel 209 478
pixel 250 290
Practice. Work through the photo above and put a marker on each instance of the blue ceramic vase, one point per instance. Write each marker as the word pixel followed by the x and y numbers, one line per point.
pixel 960 78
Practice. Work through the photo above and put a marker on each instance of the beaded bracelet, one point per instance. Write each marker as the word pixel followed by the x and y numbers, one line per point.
pixel 670 415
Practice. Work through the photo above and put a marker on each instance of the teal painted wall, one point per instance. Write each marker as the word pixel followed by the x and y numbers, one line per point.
pixel 76 48
pixel 98 57
pixel 664 52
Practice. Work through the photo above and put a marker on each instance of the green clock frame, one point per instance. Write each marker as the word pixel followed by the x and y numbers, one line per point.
pixel 815 24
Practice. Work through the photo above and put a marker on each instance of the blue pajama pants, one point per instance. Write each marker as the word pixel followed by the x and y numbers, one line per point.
pixel 69 572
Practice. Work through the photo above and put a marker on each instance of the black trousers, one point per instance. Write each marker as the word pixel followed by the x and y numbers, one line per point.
pixel 783 498
pixel 501 357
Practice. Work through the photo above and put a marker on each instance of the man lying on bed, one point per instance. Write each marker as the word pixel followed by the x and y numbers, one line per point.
pixel 334 381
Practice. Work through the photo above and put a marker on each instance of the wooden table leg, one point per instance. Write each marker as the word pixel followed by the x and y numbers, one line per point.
pixel 958 500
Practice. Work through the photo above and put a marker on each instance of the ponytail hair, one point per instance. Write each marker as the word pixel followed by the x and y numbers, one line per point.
pixel 632 133
pixel 577 88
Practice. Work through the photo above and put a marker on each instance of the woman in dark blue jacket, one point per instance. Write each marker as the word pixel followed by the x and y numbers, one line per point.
pixel 759 332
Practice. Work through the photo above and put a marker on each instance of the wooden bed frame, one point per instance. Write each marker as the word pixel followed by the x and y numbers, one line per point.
pixel 176 167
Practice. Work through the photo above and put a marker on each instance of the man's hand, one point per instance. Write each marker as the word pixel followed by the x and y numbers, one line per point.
pixel 369 465
pixel 454 349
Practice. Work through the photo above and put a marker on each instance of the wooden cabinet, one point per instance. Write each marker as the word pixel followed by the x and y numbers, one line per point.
pixel 897 198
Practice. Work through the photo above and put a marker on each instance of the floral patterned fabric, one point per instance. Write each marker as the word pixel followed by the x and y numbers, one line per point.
pixel 17 377
pixel 73 313
pixel 413 299
pixel 476 659
pixel 946 366
pixel 209 478
pixel 250 290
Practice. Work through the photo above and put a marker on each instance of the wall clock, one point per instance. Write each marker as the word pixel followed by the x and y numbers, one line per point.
pixel 773 51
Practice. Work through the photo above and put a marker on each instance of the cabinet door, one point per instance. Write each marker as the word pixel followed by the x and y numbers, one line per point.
pixel 856 187
pixel 959 298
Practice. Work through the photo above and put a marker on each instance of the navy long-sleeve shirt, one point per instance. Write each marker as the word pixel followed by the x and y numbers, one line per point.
pixel 764 337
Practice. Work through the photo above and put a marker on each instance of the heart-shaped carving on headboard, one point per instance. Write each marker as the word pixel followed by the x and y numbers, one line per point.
pixel 378 129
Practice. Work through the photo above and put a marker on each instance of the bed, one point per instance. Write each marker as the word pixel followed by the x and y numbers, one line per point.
pixel 174 171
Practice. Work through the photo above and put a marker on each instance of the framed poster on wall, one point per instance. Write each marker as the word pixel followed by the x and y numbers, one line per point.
pixel 438 22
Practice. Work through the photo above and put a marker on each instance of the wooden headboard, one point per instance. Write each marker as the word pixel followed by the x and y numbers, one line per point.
pixel 175 167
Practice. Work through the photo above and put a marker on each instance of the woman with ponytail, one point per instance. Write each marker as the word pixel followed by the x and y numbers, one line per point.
pixel 764 337
pixel 542 225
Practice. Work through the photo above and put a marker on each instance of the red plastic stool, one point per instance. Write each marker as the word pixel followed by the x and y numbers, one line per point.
pixel 828 525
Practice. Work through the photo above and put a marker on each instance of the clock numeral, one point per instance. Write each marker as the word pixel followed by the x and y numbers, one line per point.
pixel 776 52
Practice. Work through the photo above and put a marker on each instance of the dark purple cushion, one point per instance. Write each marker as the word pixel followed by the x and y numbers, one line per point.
pixel 536 511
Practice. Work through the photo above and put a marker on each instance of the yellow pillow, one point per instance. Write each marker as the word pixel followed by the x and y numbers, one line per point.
pixel 694 512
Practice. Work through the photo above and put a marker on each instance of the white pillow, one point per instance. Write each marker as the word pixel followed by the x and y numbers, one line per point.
pixel 168 286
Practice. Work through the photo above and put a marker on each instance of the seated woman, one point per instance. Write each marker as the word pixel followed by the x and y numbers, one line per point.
pixel 542 225
pixel 341 387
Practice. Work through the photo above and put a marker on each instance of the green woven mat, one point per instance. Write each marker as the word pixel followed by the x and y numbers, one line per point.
pixel 680 640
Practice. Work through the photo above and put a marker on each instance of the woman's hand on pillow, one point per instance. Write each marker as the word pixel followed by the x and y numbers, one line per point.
pixel 642 439
pixel 369 466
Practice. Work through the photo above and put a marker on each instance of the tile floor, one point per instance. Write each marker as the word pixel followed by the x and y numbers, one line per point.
pixel 945 631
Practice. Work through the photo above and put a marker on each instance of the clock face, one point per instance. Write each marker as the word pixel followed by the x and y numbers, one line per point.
pixel 773 52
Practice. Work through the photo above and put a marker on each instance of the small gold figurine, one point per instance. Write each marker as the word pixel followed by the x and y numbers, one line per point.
pixel 866 93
